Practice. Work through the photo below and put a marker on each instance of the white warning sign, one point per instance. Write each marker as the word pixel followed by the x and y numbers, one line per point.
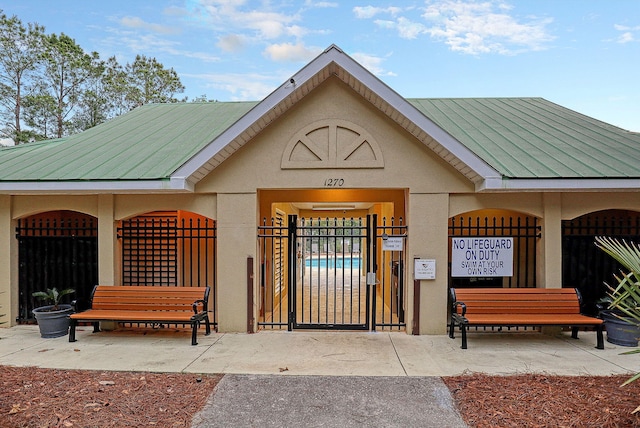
pixel 481 256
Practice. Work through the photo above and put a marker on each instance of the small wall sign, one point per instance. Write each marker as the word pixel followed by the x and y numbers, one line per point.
pixel 424 269
pixel 393 244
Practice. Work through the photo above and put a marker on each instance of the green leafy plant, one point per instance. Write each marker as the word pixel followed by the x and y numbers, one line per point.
pixel 625 296
pixel 53 296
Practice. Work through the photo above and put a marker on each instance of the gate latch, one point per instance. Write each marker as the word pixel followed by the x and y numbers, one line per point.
pixel 371 278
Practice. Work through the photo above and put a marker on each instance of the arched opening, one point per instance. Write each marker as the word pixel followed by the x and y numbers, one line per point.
pixel 56 249
pixel 169 249
pixel 487 267
pixel 586 267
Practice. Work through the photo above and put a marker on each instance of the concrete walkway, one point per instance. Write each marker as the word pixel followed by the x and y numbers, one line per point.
pixel 308 378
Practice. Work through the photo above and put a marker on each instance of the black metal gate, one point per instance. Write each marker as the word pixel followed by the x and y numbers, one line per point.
pixel 389 250
pixel 333 258
pixel 323 273
pixel 60 253
pixel 586 267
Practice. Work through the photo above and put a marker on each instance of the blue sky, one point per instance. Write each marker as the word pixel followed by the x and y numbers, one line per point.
pixel 582 54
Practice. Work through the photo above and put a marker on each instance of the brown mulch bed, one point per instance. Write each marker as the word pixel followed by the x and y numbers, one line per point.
pixel 537 400
pixel 34 397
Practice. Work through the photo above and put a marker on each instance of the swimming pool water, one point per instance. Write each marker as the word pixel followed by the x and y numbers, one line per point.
pixel 337 263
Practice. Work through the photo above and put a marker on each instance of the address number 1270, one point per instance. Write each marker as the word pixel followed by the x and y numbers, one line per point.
pixel 334 182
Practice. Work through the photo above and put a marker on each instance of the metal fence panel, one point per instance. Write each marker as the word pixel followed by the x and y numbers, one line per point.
pixel 60 253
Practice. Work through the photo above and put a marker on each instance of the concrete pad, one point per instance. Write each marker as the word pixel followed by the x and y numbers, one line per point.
pixel 316 353
pixel 302 353
pixel 512 353
pixel 334 401
pixel 161 350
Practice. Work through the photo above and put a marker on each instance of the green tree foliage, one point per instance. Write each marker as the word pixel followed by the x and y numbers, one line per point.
pixel 66 70
pixel 150 82
pixel 50 87
pixel 40 114
pixel 19 65
pixel 116 88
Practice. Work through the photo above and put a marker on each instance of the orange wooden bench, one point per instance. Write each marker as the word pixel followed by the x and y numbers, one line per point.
pixel 515 307
pixel 146 304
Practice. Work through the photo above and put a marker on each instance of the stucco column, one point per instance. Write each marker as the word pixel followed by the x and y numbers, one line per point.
pixel 236 240
pixel 428 239
pixel 551 242
pixel 106 241
pixel 8 293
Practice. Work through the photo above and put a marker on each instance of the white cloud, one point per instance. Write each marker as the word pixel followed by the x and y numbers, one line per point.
pixel 320 4
pixel 626 37
pixel 408 29
pixel 467 26
pixel 291 52
pixel 242 87
pixel 151 45
pixel 236 16
pixel 367 12
pixel 231 43
pixel 484 27
pixel 626 27
pixel 628 33
pixel 372 63
pixel 297 31
pixel 139 23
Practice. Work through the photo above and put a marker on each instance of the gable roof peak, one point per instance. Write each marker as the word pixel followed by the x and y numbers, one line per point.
pixel 333 61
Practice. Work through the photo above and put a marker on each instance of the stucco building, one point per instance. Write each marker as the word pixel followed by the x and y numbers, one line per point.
pixel 331 203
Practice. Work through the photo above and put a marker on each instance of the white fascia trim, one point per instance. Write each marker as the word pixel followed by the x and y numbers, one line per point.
pixel 336 55
pixel 261 109
pixel 561 184
pixel 133 186
pixel 405 108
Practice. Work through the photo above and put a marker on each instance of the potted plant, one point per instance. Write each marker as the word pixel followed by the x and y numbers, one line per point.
pixel 622 312
pixel 621 329
pixel 625 297
pixel 53 319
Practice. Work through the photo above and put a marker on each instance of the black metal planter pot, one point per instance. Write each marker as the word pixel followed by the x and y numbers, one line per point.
pixel 53 323
pixel 619 331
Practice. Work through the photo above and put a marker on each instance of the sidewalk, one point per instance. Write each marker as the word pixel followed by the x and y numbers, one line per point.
pixel 320 378
pixel 315 353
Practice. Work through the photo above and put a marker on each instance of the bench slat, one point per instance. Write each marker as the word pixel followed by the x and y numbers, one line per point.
pixel 530 290
pixel 124 306
pixel 146 304
pixel 133 316
pixel 531 320
pixel 150 301
pixel 514 307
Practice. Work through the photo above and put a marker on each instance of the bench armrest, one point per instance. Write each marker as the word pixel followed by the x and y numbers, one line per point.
pixel 194 305
pixel 462 305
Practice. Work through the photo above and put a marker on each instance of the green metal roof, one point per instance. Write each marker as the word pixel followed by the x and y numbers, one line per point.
pixel 535 138
pixel 147 143
pixel 518 137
